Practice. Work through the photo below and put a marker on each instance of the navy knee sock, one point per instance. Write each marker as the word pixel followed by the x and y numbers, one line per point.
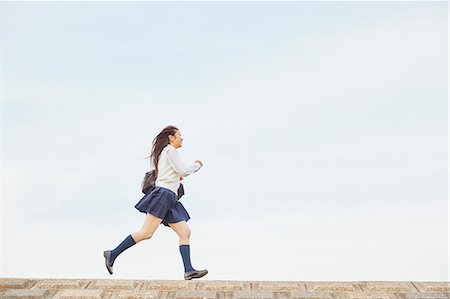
pixel 186 255
pixel 127 243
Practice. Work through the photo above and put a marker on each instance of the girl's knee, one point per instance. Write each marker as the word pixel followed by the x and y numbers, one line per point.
pixel 147 235
pixel 186 233
pixel 144 235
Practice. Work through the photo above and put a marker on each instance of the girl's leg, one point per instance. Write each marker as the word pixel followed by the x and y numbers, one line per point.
pixel 150 225
pixel 184 232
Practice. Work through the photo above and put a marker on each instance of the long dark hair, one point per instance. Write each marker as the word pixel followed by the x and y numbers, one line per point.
pixel 160 142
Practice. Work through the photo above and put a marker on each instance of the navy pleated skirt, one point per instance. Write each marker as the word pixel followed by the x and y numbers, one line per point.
pixel 163 203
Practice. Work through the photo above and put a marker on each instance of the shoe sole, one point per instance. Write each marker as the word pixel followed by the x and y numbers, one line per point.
pixel 197 276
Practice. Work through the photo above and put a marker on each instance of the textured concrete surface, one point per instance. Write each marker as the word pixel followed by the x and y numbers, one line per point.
pixel 216 289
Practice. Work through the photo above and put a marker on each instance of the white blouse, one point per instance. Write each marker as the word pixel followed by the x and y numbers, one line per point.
pixel 171 167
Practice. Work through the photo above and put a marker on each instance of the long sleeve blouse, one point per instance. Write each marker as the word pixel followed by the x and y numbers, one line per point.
pixel 171 167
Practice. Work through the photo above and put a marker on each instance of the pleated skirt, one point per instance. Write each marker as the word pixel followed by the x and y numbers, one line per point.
pixel 163 203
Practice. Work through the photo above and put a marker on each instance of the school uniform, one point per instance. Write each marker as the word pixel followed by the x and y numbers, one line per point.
pixel 163 201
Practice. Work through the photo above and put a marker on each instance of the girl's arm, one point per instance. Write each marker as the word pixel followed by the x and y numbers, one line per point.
pixel 178 164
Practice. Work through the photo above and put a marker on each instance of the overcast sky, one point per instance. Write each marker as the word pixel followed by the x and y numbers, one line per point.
pixel 322 127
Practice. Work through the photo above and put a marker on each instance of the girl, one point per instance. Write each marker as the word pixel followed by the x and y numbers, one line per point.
pixel 161 205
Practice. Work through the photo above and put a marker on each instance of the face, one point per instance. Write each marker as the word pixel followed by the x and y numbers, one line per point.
pixel 175 140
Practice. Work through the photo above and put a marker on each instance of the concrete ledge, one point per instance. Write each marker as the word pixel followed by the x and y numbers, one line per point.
pixel 219 289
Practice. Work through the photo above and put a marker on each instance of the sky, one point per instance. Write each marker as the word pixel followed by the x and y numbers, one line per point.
pixel 322 127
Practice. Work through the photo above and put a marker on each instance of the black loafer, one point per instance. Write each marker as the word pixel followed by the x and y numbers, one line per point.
pixel 195 274
pixel 107 255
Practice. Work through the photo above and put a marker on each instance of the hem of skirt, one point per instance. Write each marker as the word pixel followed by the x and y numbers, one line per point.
pixel 146 212
pixel 175 222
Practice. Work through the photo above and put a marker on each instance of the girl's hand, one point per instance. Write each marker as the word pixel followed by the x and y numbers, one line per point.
pixel 181 178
